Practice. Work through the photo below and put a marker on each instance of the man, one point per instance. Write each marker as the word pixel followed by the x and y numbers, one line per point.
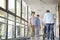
pixel 49 24
pixel 33 23
pixel 37 25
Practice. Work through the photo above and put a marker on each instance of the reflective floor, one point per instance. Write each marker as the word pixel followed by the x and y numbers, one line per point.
pixel 41 37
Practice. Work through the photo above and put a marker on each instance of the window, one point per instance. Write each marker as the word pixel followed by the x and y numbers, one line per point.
pixel 2 24
pixel 17 30
pixel 21 28
pixel 17 19
pixel 22 31
pixel 11 17
pixel 23 22
pixel 10 29
pixel 2 30
pixel 11 25
pixel 24 10
pixel 18 7
pixel 29 14
pixel 2 3
pixel 17 27
pixel 3 14
pixel 11 5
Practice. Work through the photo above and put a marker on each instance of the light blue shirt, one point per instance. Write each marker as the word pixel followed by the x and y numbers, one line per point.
pixel 48 18
pixel 38 22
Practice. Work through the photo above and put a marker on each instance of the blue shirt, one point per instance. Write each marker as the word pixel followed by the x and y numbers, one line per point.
pixel 38 22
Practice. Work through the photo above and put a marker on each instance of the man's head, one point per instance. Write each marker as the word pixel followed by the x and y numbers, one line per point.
pixel 33 13
pixel 47 11
pixel 38 16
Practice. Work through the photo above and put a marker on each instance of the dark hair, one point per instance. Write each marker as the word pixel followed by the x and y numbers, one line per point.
pixel 37 15
pixel 47 11
pixel 32 12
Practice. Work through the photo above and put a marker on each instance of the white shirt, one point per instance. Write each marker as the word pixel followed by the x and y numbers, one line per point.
pixel 48 18
pixel 33 20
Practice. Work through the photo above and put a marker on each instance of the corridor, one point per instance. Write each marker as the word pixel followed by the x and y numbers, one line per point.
pixel 15 18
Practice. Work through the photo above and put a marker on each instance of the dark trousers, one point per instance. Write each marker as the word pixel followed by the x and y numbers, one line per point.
pixel 49 30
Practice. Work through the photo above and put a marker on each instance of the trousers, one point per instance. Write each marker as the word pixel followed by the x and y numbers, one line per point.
pixel 49 31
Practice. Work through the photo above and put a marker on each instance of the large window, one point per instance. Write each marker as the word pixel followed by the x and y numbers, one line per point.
pixel 10 29
pixel 24 10
pixel 17 30
pixel 18 7
pixel 11 5
pixel 18 13
pixel 26 29
pixel 29 28
pixel 17 27
pixel 8 23
pixel 3 14
pixel 24 16
pixel 2 24
pixel 11 26
pixel 22 31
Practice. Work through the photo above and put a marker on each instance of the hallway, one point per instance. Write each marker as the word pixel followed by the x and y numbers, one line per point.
pixel 15 18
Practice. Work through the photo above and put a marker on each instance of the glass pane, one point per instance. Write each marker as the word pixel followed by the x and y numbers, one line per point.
pixel 26 31
pixel 3 14
pixel 22 21
pixel 11 5
pixel 2 31
pixel 2 20
pixel 11 17
pixel 2 3
pixel 17 19
pixel 18 7
pixel 24 10
pixel 10 29
pixel 2 25
pixel 17 30
pixel 10 22
pixel 22 31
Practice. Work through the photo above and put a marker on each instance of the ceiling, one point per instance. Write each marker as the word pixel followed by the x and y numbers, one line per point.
pixel 40 6
pixel 40 3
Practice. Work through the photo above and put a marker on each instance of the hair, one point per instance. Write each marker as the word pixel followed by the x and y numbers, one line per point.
pixel 32 12
pixel 47 11
pixel 37 15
